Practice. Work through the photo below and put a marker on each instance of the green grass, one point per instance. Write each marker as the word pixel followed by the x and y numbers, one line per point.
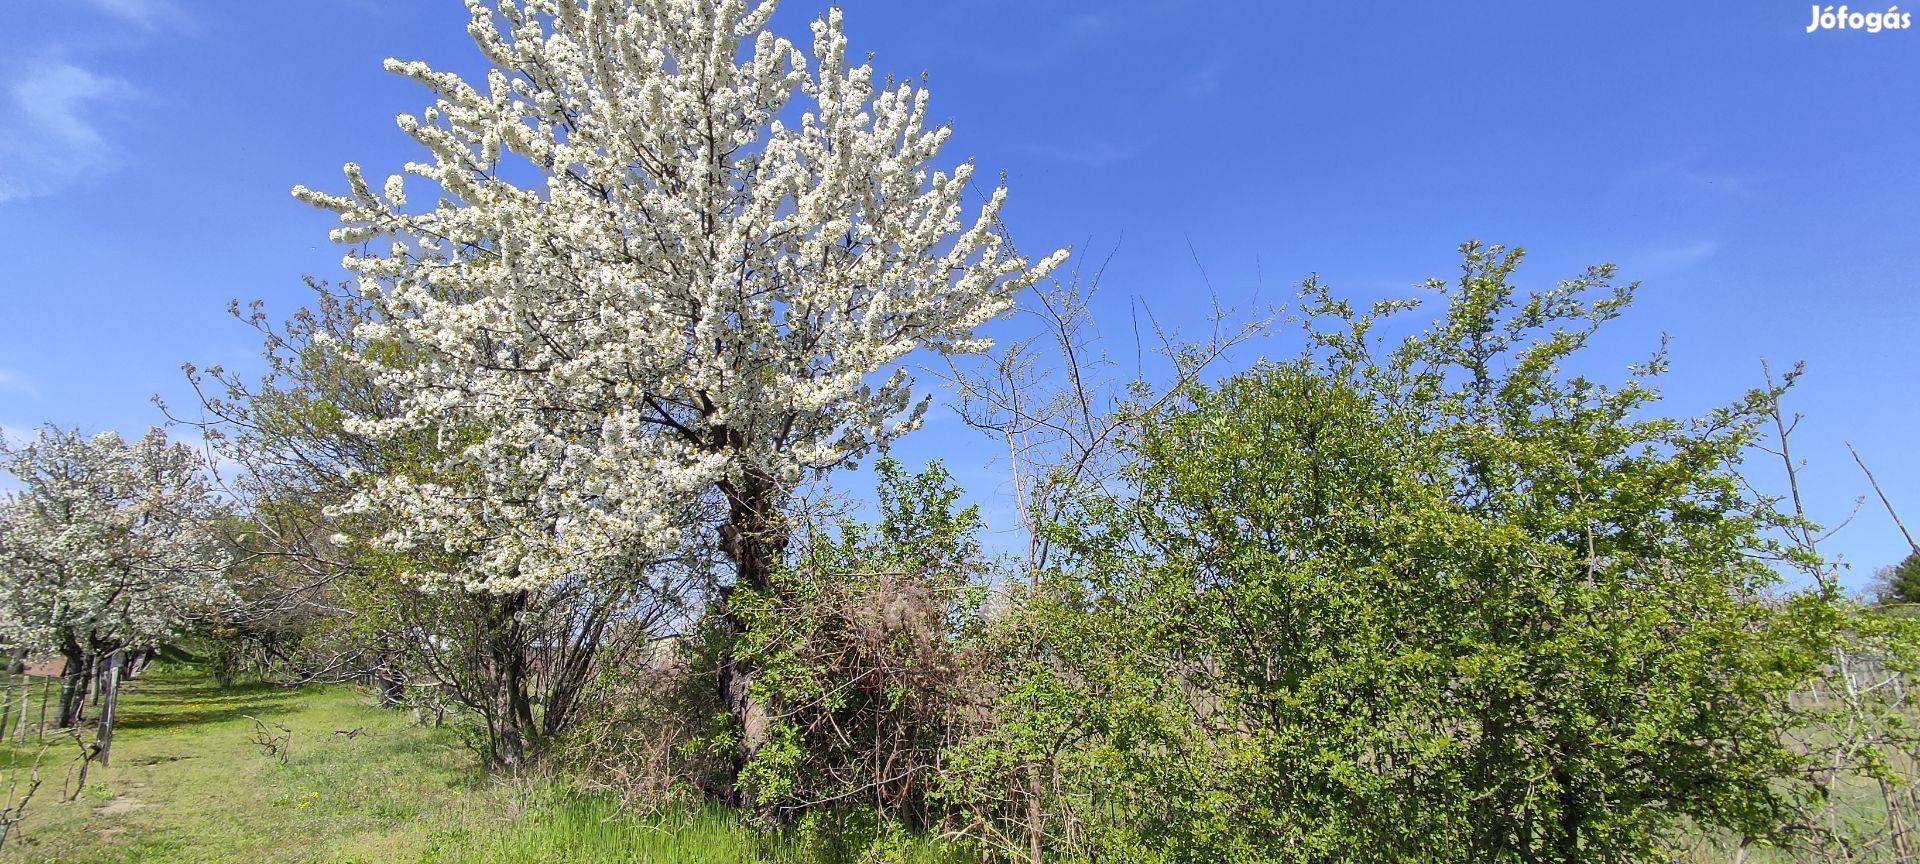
pixel 593 830
pixel 189 784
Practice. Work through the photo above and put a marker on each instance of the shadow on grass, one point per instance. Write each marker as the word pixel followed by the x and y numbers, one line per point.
pixel 172 699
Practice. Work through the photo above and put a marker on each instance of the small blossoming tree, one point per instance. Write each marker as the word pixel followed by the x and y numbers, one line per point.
pixel 667 255
pixel 107 546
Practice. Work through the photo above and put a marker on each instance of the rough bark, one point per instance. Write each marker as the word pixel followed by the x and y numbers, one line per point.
pixel 387 681
pixel 754 538
pixel 515 738
pixel 73 685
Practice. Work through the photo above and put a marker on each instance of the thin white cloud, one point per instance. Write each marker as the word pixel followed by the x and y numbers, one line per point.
pixel 50 128
pixel 1690 174
pixel 1204 81
pixel 1079 26
pixel 1678 256
pixel 1096 153
pixel 148 15
pixel 1048 48
pixel 16 381
pixel 56 110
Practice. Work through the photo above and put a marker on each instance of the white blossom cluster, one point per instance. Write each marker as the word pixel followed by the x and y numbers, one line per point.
pixel 663 253
pixel 106 544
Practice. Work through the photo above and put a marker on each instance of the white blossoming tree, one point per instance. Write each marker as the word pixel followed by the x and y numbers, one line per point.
pixel 667 254
pixel 107 546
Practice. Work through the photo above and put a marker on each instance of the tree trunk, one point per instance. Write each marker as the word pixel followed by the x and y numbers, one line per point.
pixel 1573 817
pixel 73 685
pixel 1036 816
pixel 387 684
pixel 388 688
pixel 515 737
pixel 754 538
pixel 506 751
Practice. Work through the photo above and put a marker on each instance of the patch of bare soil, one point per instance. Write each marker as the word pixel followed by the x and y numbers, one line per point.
pixel 119 804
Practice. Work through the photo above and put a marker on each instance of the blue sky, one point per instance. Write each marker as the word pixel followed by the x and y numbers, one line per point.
pixel 1761 181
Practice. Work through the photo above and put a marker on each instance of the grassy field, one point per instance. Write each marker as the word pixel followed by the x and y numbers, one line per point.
pixel 189 784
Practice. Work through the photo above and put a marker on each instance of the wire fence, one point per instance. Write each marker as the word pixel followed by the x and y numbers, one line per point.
pixel 31 706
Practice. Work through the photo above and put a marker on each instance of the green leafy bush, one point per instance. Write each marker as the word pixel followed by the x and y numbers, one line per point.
pixel 1440 600
pixel 860 647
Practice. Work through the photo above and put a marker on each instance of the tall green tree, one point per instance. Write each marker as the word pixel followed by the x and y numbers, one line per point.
pixel 1900 583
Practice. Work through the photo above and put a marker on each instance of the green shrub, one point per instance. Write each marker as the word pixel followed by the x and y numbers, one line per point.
pixel 1436 601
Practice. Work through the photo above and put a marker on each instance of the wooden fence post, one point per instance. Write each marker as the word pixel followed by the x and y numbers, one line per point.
pixel 109 705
